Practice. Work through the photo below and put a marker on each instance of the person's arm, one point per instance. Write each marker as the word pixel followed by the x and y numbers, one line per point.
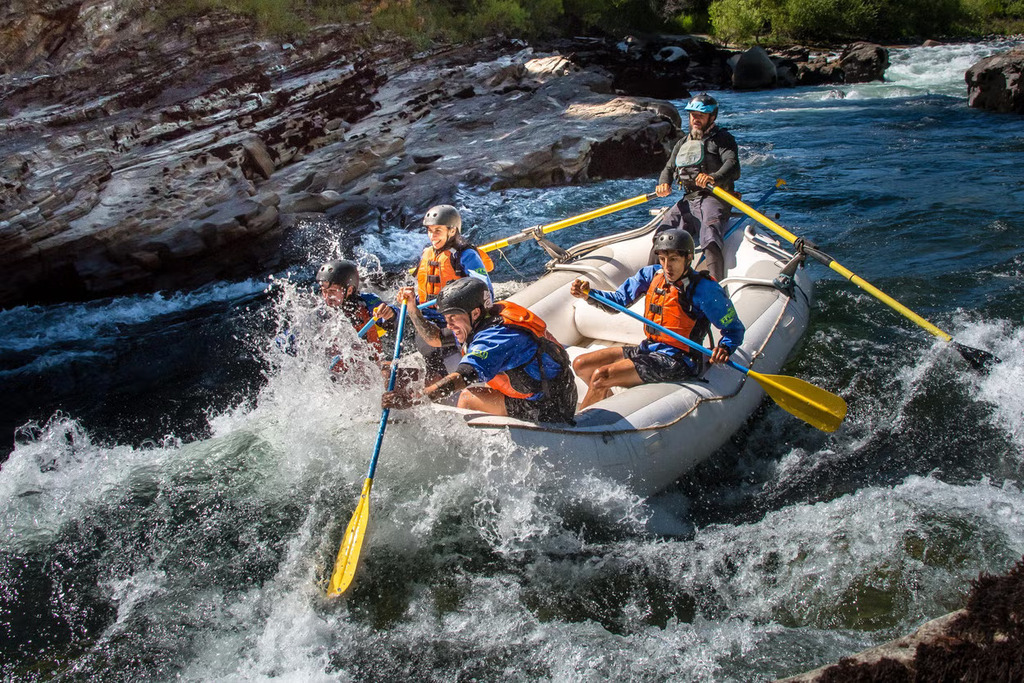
pixel 428 331
pixel 628 292
pixel 439 390
pixel 710 298
pixel 665 178
pixel 384 314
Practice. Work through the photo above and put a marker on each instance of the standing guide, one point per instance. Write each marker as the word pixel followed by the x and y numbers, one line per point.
pixel 679 298
pixel 708 154
pixel 507 346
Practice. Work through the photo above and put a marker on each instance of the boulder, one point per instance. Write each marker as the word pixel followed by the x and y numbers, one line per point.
pixel 994 83
pixel 864 62
pixel 753 69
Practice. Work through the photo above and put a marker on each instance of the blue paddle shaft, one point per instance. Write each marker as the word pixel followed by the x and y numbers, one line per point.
pixel 373 321
pixel 391 387
pixel 664 330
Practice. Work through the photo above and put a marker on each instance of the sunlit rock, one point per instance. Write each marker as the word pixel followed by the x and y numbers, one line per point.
pixel 994 83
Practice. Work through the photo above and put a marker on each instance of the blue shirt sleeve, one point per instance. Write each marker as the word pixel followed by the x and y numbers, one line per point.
pixel 633 288
pixel 710 298
pixel 473 266
pixel 497 349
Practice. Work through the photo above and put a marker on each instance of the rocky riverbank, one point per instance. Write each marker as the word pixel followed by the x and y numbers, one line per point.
pixel 982 642
pixel 140 156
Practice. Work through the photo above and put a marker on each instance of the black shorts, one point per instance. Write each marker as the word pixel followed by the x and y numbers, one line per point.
pixel 560 406
pixel 653 367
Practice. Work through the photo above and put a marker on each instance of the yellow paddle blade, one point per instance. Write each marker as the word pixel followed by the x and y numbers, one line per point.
pixel 815 406
pixel 351 544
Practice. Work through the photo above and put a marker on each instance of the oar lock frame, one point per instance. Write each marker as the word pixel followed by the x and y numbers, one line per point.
pixel 784 280
pixel 536 233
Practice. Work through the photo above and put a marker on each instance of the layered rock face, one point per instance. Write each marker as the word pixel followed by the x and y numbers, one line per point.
pixel 138 157
pixel 995 83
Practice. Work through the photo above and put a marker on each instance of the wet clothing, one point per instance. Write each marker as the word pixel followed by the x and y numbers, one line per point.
pixel 658 367
pixel 699 212
pixel 696 302
pixel 514 354
pixel 361 312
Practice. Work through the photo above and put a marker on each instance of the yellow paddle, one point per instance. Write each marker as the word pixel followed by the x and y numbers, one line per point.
pixel 529 233
pixel 979 360
pixel 348 554
pixel 815 406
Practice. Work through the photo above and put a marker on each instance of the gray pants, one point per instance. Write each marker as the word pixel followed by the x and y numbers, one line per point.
pixel 706 217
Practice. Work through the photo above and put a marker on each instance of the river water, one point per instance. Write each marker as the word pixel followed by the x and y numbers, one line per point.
pixel 176 487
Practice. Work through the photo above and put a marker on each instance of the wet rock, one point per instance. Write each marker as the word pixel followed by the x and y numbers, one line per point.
pixel 864 62
pixel 982 642
pixel 753 69
pixel 994 83
pixel 144 159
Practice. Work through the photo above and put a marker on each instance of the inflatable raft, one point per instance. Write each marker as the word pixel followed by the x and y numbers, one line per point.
pixel 650 435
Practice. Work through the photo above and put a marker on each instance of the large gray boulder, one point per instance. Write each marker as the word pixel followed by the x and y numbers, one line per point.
pixel 864 62
pixel 994 83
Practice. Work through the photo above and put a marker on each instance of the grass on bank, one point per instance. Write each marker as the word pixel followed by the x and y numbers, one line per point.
pixel 734 21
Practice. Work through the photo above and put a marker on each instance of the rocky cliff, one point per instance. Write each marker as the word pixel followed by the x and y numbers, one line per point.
pixel 140 153
pixel 142 157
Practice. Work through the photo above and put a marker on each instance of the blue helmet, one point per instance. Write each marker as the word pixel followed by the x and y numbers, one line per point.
pixel 702 102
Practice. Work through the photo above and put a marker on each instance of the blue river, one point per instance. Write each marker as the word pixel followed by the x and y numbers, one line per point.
pixel 175 488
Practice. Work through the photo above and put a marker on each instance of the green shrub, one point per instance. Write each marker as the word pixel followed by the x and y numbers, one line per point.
pixel 501 16
pixel 691 22
pixel 739 21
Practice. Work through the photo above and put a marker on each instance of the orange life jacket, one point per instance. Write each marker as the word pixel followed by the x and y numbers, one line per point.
pixel 516 382
pixel 438 268
pixel 359 318
pixel 672 307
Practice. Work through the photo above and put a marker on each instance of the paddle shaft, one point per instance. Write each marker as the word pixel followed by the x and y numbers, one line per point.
pixel 815 406
pixel 827 260
pixel 566 222
pixel 391 387
pixel 373 321
pixel 355 532
pixel 740 222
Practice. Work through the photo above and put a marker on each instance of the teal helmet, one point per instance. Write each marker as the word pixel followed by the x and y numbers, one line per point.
pixel 674 239
pixel 463 296
pixel 703 103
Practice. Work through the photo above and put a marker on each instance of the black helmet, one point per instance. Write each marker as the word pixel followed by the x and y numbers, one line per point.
pixel 702 102
pixel 673 239
pixel 443 214
pixel 344 273
pixel 463 295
